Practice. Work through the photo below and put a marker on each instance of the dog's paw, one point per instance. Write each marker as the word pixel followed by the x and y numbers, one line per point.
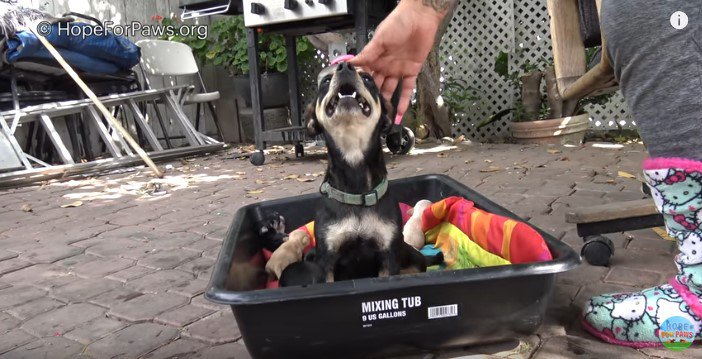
pixel 412 231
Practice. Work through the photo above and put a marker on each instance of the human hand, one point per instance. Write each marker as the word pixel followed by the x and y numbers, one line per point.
pixel 399 48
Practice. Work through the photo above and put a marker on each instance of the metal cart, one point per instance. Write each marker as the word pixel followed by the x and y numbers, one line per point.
pixel 293 18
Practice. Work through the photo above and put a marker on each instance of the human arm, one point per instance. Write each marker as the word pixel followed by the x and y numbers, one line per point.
pixel 400 46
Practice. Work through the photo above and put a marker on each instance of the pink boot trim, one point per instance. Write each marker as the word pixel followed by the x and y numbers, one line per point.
pixel 605 338
pixel 658 163
pixel 690 298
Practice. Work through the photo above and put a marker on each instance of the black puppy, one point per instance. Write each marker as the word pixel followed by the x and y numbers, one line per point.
pixel 271 230
pixel 358 228
pixel 301 273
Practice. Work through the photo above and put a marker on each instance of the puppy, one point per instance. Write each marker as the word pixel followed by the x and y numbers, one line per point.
pixel 358 226
pixel 301 273
pixel 271 230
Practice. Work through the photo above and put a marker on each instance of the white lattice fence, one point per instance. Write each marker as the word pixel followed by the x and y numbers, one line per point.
pixel 479 31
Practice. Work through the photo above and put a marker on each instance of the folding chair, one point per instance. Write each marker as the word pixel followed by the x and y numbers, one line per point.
pixel 170 58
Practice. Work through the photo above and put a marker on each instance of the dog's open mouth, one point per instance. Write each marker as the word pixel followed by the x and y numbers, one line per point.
pixel 349 97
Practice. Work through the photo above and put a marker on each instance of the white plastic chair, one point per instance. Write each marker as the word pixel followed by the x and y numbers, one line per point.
pixel 170 58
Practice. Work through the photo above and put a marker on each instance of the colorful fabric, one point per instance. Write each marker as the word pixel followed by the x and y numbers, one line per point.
pixel 635 319
pixel 404 209
pixel 309 229
pixel 469 237
pixel 429 251
pixel 459 251
pixel 514 241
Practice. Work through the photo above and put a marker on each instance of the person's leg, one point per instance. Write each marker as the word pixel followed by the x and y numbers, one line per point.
pixel 659 71
pixel 633 319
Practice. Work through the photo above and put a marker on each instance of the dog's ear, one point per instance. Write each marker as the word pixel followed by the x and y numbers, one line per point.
pixel 387 115
pixel 313 128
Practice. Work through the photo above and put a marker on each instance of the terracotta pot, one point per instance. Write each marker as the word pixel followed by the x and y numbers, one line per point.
pixel 559 131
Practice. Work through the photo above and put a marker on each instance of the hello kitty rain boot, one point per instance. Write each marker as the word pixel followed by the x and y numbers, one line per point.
pixel 635 319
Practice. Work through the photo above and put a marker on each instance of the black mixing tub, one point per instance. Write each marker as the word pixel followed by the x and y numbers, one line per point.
pixel 380 316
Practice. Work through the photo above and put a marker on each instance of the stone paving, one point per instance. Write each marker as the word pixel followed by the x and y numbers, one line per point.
pixel 115 266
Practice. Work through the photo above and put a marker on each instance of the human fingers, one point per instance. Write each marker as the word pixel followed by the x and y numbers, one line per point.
pixel 389 87
pixel 379 79
pixel 408 85
pixel 368 55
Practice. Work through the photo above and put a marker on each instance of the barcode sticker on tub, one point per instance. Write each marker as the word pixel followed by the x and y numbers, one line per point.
pixel 443 311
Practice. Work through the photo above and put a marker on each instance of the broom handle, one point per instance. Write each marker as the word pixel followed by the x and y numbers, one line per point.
pixel 97 102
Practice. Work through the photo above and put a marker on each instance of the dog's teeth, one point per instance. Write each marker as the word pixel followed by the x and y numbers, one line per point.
pixel 354 94
pixel 340 96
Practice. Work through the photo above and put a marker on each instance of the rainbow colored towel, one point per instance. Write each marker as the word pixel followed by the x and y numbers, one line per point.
pixel 507 239
pixel 458 250
pixel 469 237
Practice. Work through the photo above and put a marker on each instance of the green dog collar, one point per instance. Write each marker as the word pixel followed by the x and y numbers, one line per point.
pixel 367 199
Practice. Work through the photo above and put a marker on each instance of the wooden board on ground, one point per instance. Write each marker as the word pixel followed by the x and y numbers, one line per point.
pixel 612 211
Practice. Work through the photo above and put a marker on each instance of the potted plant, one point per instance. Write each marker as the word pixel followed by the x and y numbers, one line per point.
pixel 540 115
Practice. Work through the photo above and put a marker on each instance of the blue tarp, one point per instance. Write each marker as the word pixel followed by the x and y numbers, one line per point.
pixel 98 54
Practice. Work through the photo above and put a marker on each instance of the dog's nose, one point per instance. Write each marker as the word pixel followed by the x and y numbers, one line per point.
pixel 345 66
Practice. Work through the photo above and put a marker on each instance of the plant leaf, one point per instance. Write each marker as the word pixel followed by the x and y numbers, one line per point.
pixel 490 169
pixel 625 175
pixel 72 204
pixel 661 232
pixel 495 117
pixel 502 64
pixel 199 44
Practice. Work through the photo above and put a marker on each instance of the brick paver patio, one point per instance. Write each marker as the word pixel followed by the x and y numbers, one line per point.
pixel 121 274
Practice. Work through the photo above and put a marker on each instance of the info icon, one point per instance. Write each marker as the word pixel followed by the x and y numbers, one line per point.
pixel 679 20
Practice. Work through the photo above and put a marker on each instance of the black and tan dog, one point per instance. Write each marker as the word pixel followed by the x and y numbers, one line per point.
pixel 358 228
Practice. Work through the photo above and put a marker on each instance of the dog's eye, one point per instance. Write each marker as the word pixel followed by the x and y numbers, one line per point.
pixel 326 80
pixel 367 79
